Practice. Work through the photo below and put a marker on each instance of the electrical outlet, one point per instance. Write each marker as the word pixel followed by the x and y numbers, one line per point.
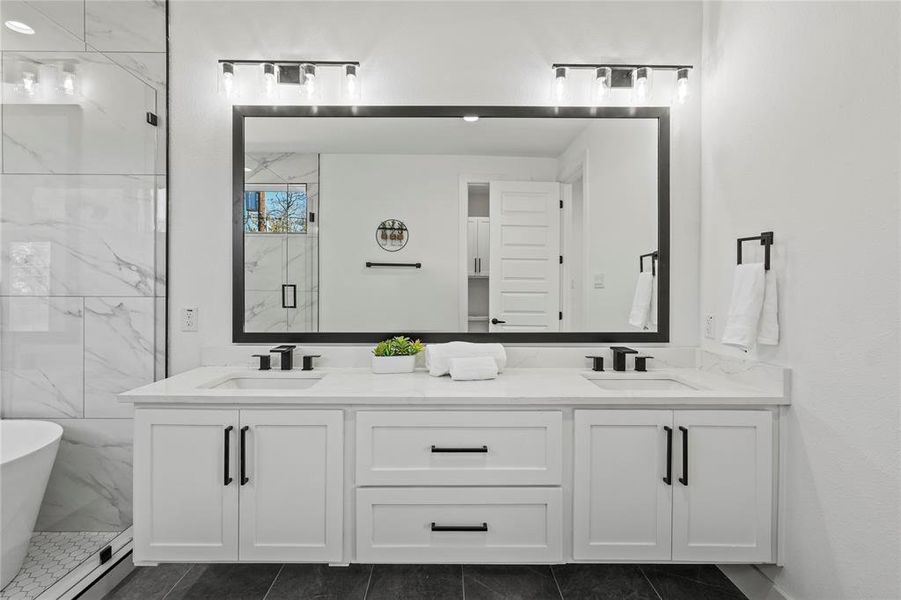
pixel 189 318
pixel 710 327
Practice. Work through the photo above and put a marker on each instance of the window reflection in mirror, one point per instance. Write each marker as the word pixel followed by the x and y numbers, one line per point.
pixel 519 225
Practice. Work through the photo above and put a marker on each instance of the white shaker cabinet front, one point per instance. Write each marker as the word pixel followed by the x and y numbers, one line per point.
pixel 227 485
pixel 185 485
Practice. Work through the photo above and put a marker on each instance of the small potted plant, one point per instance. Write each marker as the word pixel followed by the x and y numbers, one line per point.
pixel 396 355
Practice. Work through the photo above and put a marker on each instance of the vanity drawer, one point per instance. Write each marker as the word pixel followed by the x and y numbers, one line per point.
pixel 457 525
pixel 459 448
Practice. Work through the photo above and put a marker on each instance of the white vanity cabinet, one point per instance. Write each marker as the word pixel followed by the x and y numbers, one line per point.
pixel 226 485
pixel 681 485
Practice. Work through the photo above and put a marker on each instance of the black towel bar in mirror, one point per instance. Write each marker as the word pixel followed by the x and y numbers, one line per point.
pixel 766 240
pixel 653 256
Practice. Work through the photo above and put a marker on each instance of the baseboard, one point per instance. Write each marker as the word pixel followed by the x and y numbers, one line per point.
pixel 752 583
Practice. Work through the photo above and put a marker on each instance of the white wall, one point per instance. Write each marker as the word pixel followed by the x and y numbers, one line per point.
pixel 800 135
pixel 411 53
pixel 361 191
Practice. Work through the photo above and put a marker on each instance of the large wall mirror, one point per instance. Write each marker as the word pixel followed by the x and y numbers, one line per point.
pixel 525 224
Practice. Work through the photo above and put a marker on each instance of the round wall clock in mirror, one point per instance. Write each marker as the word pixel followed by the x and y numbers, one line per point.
pixel 391 235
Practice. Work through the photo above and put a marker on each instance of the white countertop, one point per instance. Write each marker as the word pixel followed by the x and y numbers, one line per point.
pixel 515 386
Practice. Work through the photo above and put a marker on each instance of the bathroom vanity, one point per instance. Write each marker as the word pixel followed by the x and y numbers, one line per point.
pixel 542 465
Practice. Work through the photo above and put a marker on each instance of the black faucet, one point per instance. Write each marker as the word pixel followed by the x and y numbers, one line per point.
pixel 287 356
pixel 619 356
pixel 307 361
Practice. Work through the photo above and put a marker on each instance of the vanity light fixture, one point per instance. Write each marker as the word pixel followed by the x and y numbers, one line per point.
pixel 471 118
pixel 228 79
pixel 308 80
pixel 682 90
pixel 19 27
pixel 69 80
pixel 351 82
pixel 608 77
pixel 270 80
pixel 29 83
pixel 559 83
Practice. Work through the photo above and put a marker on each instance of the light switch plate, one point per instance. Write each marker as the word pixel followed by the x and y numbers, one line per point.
pixel 189 318
pixel 710 326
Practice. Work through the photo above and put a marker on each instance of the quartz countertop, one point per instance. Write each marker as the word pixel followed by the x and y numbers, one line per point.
pixel 515 386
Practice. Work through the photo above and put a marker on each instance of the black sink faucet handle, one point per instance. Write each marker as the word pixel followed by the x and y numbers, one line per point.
pixel 597 363
pixel 619 356
pixel 265 361
pixel 641 363
pixel 307 361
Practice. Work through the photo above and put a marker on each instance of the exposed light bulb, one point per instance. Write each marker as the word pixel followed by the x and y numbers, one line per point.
pixel 19 27
pixel 471 118
pixel 641 84
pixel 603 83
pixel 682 89
pixel 352 82
pixel 308 80
pixel 29 83
pixel 69 80
pixel 228 79
pixel 270 80
pixel 247 169
pixel 559 84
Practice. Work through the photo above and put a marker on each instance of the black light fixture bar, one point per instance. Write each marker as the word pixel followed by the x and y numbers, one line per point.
pixel 618 66
pixel 289 70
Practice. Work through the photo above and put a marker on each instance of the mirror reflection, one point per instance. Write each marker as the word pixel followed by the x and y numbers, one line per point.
pixel 445 225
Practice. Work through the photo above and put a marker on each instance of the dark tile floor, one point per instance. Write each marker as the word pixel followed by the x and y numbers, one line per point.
pixel 426 582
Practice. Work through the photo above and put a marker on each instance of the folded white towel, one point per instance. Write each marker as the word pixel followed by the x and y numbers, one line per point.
pixel 438 356
pixel 748 289
pixel 768 331
pixel 641 302
pixel 473 368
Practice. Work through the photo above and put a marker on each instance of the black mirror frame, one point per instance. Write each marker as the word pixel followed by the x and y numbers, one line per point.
pixel 661 114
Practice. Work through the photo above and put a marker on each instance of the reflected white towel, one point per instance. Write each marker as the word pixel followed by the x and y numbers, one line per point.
pixel 641 302
pixel 438 356
pixel 473 368
pixel 748 289
pixel 652 313
pixel 768 331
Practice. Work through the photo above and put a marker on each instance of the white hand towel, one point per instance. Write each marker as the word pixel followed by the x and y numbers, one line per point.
pixel 768 332
pixel 748 288
pixel 438 356
pixel 474 368
pixel 652 312
pixel 641 302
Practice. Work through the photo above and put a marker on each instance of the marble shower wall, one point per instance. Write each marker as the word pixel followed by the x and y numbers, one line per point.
pixel 83 238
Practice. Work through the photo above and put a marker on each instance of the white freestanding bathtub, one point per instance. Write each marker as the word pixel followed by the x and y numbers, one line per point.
pixel 27 452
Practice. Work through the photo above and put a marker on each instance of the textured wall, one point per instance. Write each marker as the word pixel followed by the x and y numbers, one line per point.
pixel 82 259
pixel 801 136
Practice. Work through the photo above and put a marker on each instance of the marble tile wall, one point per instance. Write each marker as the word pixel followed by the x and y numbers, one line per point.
pixel 83 238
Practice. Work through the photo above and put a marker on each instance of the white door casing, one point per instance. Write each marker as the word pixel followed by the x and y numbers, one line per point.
pixel 524 284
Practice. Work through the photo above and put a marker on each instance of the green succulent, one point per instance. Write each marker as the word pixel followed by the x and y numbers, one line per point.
pixel 398 346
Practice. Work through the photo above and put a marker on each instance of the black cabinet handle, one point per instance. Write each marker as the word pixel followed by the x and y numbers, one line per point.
pixel 481 449
pixel 244 478
pixel 668 480
pixel 496 321
pixel 684 479
pixel 227 480
pixel 482 527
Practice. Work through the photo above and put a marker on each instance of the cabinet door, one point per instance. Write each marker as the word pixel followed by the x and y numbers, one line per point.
pixel 482 245
pixel 185 485
pixel 472 245
pixel 291 485
pixel 622 507
pixel 723 504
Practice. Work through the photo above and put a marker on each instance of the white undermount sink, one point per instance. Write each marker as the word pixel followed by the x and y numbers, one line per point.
pixel 266 383
pixel 661 383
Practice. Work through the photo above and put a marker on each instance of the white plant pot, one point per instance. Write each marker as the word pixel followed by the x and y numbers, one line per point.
pixel 393 364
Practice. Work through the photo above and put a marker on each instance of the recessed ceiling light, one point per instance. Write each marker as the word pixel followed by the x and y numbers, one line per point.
pixel 19 27
pixel 471 118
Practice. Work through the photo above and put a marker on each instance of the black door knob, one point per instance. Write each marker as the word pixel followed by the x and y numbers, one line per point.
pixel 496 321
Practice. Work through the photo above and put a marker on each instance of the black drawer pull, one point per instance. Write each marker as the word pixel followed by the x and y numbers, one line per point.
pixel 227 479
pixel 684 479
pixel 483 527
pixel 479 449
pixel 668 480
pixel 244 478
